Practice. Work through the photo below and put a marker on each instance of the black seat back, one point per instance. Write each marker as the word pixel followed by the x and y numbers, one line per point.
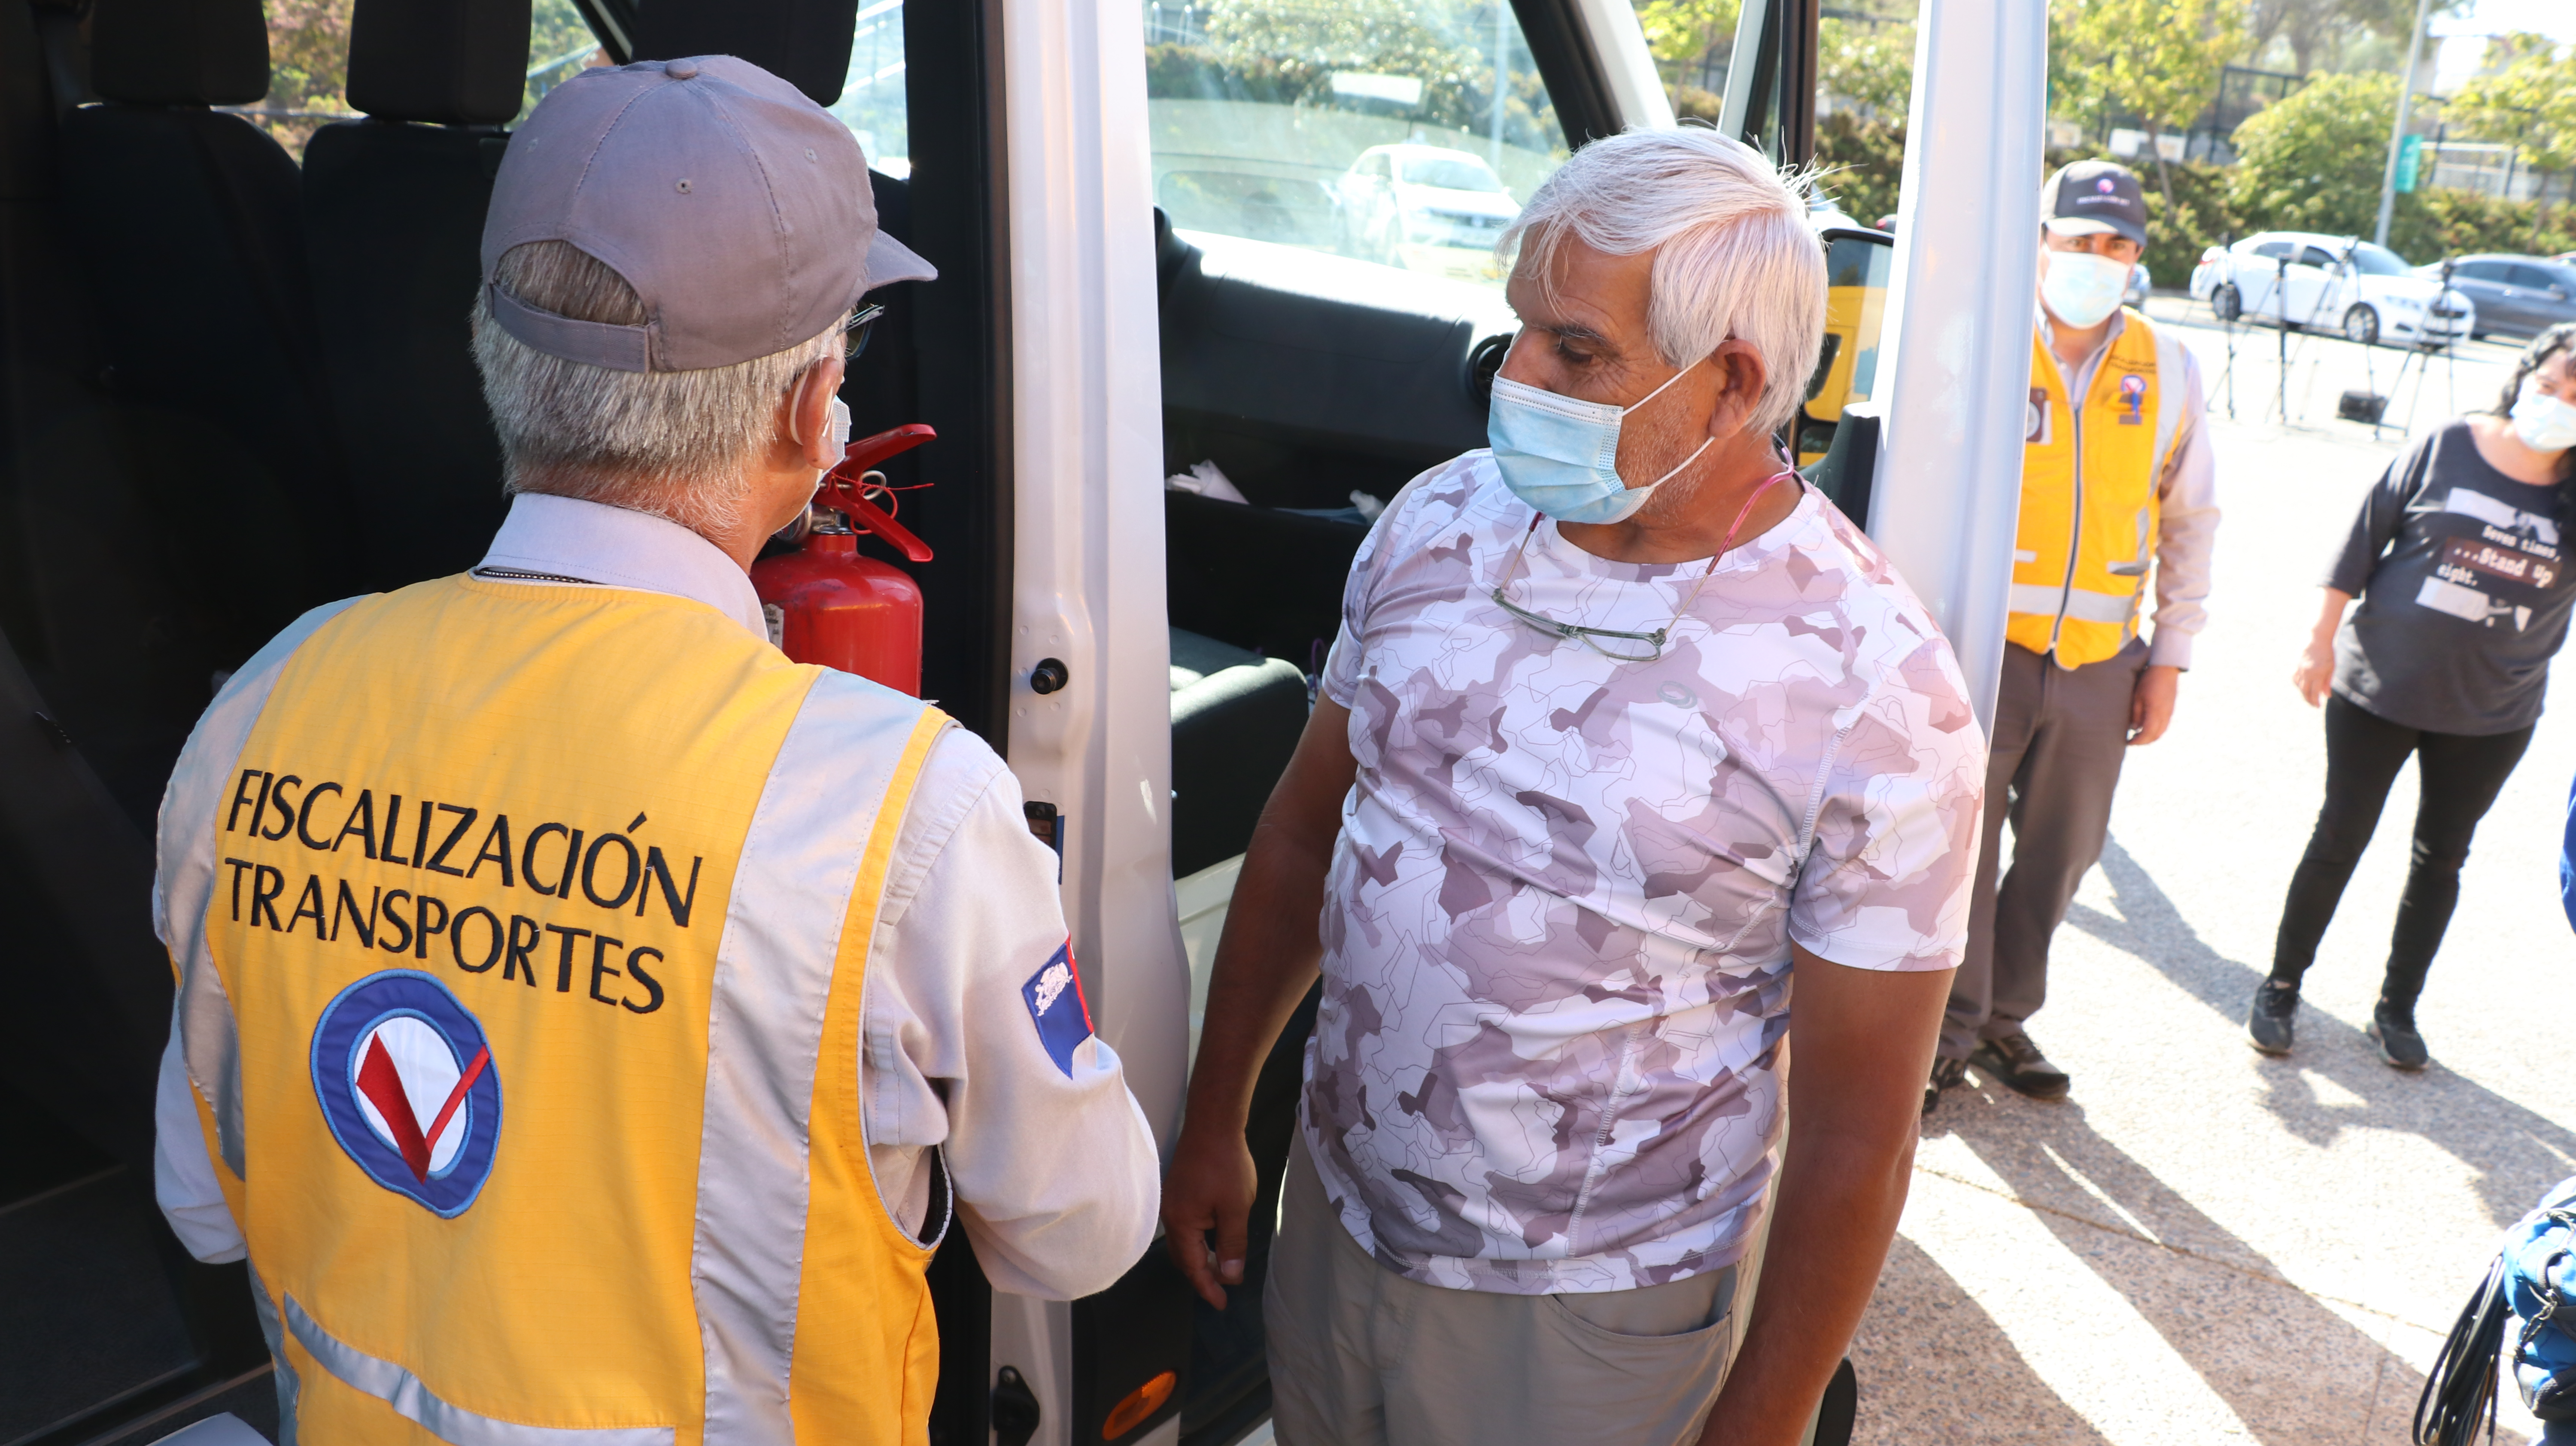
pixel 191 502
pixel 393 217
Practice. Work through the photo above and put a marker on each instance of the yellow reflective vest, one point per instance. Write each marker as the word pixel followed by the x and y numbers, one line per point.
pixel 2089 503
pixel 520 950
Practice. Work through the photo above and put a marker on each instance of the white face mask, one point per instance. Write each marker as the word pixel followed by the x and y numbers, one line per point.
pixel 2544 423
pixel 2082 289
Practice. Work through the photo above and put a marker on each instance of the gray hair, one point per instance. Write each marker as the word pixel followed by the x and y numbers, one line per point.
pixel 675 444
pixel 1734 255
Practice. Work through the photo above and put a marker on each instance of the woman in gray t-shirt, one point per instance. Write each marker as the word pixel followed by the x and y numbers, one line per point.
pixel 2459 564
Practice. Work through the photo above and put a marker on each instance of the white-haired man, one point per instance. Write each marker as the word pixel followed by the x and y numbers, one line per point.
pixel 569 1118
pixel 1625 733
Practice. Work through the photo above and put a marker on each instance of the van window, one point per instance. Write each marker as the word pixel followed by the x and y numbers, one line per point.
pixel 872 99
pixel 1402 132
pixel 308 65
pixel 308 73
pixel 560 46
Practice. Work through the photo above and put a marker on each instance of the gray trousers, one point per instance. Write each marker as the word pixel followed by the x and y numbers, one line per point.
pixel 1361 1356
pixel 2053 761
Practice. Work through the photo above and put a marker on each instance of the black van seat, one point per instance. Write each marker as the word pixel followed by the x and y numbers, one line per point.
pixel 803 42
pixel 1258 577
pixel 393 211
pixel 1235 720
pixel 191 502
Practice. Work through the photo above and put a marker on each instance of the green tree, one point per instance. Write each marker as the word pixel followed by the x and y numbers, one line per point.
pixel 1865 76
pixel 560 46
pixel 2529 104
pixel 1284 51
pixel 1866 65
pixel 2313 161
pixel 2322 34
pixel 308 68
pixel 2157 58
pixel 1682 32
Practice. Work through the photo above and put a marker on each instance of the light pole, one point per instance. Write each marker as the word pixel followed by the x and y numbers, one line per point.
pixel 2397 132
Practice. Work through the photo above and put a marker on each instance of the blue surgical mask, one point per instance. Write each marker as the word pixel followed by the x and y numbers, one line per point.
pixel 1561 455
pixel 2082 289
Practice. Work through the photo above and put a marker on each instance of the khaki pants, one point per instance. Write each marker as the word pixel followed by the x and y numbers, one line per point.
pixel 2052 763
pixel 1361 1356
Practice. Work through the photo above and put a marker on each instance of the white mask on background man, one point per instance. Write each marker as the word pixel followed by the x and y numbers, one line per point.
pixel 2544 423
pixel 2082 289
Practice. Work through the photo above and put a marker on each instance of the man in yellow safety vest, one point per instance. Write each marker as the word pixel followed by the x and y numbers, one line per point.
pixel 589 1021
pixel 2116 476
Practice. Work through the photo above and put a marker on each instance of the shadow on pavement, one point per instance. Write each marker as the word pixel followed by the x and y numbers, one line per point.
pixel 2292 1370
pixel 1933 1366
pixel 2514 1153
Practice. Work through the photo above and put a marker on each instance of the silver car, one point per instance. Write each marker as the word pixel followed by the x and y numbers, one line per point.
pixel 1424 208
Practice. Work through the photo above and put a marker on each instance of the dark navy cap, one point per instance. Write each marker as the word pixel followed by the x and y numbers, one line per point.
pixel 2094 196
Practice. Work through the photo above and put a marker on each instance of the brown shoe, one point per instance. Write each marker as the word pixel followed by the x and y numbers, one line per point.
pixel 2016 1062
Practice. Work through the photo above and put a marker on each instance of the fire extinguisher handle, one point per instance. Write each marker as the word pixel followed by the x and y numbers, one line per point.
pixel 867 452
pixel 844 488
pixel 849 497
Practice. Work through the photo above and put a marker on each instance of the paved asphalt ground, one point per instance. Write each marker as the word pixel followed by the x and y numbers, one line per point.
pixel 2203 1244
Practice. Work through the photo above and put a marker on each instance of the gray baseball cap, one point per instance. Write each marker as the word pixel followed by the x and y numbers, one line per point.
pixel 2094 196
pixel 736 207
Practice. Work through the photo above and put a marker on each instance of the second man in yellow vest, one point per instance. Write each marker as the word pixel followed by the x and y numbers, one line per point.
pixel 2117 484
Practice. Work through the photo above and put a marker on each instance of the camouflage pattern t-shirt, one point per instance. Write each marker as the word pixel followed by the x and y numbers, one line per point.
pixel 1557 922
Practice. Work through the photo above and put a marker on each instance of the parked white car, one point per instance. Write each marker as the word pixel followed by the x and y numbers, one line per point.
pixel 2303 279
pixel 1425 208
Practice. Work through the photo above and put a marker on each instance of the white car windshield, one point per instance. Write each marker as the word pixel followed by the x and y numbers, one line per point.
pixel 1453 173
pixel 2373 260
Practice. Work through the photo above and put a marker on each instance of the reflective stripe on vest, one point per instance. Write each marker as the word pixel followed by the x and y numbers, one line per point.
pixel 2089 506
pixel 520 933
pixel 413 1401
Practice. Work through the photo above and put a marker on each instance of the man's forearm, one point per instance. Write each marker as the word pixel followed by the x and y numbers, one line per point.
pixel 1832 1218
pixel 1265 961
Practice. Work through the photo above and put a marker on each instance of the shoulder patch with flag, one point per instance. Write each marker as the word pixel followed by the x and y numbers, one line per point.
pixel 1056 1005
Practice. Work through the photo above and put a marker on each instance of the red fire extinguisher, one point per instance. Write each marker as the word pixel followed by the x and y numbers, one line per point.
pixel 825 603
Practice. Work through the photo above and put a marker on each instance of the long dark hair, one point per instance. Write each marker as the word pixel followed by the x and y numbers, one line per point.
pixel 2550 343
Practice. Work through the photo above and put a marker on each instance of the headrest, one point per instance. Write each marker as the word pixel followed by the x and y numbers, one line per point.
pixel 179 52
pixel 453 62
pixel 803 42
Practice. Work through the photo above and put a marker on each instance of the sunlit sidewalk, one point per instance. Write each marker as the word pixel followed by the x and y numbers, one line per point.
pixel 2204 1244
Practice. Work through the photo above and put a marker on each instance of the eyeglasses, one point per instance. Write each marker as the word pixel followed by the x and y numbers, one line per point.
pixel 1610 643
pixel 1625 647
pixel 854 332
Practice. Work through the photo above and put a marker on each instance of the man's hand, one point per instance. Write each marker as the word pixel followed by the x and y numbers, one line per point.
pixel 1265 962
pixel 1863 1039
pixel 2151 704
pixel 1207 1196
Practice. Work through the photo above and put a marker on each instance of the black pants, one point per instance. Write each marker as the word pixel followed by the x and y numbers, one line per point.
pixel 2460 776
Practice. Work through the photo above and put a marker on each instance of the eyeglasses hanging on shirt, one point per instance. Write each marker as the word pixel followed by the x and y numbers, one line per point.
pixel 1626 647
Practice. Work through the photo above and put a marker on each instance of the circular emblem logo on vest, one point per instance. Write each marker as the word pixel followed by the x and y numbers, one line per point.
pixel 409 1088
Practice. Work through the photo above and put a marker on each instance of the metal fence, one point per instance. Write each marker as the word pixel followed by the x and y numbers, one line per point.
pixel 2488 168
